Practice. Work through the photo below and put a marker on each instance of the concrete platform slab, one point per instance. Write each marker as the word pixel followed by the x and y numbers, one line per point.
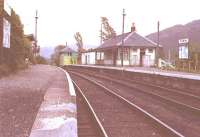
pixel 57 113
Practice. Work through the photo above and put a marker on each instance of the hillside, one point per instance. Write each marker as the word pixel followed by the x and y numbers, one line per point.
pixel 170 36
pixel 46 52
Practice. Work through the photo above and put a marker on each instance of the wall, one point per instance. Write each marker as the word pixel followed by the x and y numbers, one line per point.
pixel 149 59
pixel 88 58
pixel 135 57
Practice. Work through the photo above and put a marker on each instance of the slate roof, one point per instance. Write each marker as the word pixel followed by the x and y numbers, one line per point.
pixel 131 39
pixel 67 50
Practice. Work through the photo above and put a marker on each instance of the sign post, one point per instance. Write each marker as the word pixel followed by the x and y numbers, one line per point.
pixel 184 49
pixel 184 52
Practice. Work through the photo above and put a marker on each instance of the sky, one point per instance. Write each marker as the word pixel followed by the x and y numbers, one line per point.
pixel 59 20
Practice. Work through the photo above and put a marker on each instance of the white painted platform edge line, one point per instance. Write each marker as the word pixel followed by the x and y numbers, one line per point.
pixel 71 86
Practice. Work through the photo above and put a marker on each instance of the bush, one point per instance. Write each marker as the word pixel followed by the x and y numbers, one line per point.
pixel 41 60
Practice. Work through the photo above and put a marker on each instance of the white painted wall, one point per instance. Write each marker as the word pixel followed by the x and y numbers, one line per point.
pixel 108 62
pixel 135 57
pixel 149 59
pixel 125 62
pixel 83 57
pixel 90 56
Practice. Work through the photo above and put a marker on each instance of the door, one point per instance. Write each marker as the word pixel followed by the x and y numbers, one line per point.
pixel 134 60
pixel 146 60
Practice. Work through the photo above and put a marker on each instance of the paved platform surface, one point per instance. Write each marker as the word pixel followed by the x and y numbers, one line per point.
pixel 36 99
pixel 156 71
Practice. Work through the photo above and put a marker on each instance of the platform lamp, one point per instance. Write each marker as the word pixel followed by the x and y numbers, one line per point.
pixel 36 41
pixel 122 46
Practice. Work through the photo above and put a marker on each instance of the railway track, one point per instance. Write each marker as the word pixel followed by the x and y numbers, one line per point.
pixel 195 94
pixel 119 116
pixel 183 119
pixel 188 100
pixel 88 123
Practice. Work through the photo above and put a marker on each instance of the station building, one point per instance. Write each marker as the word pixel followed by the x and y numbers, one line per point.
pixel 137 51
pixel 88 57
pixel 68 56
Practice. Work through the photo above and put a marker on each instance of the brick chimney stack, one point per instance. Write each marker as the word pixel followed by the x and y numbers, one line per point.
pixel 133 29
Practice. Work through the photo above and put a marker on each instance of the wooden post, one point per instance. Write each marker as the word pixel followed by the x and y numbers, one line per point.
pixel 1 30
pixel 196 61
pixel 189 65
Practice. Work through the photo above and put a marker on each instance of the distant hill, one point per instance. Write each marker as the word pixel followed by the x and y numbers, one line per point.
pixel 170 36
pixel 48 51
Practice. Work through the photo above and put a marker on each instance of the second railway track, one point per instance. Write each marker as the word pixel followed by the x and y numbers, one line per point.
pixel 118 116
pixel 184 99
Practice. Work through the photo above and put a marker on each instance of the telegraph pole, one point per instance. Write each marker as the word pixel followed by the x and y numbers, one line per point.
pixel 101 33
pixel 36 41
pixel 122 51
pixel 1 30
pixel 158 40
pixel 158 54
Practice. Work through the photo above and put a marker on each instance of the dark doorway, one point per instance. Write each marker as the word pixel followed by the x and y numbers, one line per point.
pixel 142 53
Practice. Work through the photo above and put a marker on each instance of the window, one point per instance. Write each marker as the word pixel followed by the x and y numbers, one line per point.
pixel 134 50
pixel 126 53
pixel 98 55
pixel 150 50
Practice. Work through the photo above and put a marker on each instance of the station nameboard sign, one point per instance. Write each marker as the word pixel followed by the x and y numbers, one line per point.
pixel 6 33
pixel 182 41
pixel 183 48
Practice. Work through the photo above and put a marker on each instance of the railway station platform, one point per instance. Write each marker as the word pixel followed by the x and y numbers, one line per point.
pixel 174 79
pixel 38 102
pixel 57 114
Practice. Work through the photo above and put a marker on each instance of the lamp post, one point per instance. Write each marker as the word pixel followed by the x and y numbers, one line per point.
pixel 1 30
pixel 158 54
pixel 36 41
pixel 122 51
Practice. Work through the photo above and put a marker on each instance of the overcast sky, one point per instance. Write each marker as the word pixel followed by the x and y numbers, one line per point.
pixel 60 19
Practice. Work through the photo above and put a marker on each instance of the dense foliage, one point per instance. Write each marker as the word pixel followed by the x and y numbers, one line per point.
pixel 107 31
pixel 13 58
pixel 79 44
pixel 55 57
pixel 41 60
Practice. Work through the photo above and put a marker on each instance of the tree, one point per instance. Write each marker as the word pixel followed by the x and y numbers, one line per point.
pixel 41 60
pixel 107 31
pixel 55 57
pixel 79 44
pixel 13 58
pixel 79 41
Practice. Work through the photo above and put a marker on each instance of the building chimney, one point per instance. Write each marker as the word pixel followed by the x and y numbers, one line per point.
pixel 133 29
